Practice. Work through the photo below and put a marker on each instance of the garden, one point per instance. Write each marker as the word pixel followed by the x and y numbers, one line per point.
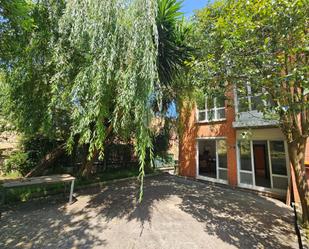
pixel 99 90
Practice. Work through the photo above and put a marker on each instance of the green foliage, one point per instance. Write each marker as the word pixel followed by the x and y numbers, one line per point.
pixel 82 71
pixel 18 11
pixel 261 43
pixel 106 72
pixel 119 154
pixel 173 52
pixel 8 176
pixel 28 67
pixel 31 150
pixel 26 193
pixel 162 140
pixel 18 162
pixel 3 95
pixel 38 146
pixel 264 45
pixel 22 194
pixel 16 21
pixel 161 144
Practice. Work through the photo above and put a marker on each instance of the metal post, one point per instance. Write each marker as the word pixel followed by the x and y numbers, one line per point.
pixel 71 191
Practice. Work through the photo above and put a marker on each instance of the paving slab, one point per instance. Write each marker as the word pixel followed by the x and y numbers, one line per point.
pixel 175 213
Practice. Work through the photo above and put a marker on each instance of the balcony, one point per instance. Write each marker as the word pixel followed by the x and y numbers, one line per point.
pixel 247 114
pixel 252 119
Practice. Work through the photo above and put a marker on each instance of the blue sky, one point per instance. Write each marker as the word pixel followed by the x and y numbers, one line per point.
pixel 189 6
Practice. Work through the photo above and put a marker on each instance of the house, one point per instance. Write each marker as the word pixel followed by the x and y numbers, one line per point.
pixel 230 142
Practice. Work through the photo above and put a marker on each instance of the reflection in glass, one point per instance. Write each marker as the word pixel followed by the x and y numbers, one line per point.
pixel 201 116
pixel 246 178
pixel 256 102
pixel 280 182
pixel 200 102
pixel 243 104
pixel 222 153
pixel 220 101
pixel 221 113
pixel 223 174
pixel 245 155
pixel 277 154
pixel 211 114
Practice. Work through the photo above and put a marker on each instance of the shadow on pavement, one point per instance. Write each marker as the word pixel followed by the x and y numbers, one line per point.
pixel 239 218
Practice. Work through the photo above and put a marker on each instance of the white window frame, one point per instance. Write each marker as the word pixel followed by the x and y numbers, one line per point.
pixel 249 97
pixel 260 188
pixel 201 177
pixel 206 110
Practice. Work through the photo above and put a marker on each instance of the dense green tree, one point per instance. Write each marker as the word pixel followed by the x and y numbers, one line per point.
pixel 27 62
pixel 264 44
pixel 28 31
pixel 83 70
pixel 173 53
pixel 15 21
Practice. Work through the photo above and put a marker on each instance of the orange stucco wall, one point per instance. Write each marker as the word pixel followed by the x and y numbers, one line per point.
pixel 192 130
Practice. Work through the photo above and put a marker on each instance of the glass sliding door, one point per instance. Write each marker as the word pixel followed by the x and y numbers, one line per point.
pixel 222 159
pixel 278 164
pixel 207 158
pixel 245 162
pixel 212 159
pixel 262 164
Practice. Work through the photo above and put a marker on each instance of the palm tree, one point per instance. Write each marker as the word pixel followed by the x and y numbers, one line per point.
pixel 173 50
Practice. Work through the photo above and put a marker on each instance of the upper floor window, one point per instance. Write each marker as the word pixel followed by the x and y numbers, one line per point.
pixel 249 99
pixel 211 109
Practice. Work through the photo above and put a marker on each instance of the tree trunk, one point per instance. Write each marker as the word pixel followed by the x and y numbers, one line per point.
pixel 87 165
pixel 297 156
pixel 47 161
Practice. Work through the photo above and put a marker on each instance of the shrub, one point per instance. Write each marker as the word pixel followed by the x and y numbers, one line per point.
pixel 18 161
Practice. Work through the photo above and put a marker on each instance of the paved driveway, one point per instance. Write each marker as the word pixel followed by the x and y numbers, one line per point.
pixel 175 213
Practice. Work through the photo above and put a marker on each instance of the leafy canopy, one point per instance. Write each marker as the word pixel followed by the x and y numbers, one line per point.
pixel 81 70
pixel 261 43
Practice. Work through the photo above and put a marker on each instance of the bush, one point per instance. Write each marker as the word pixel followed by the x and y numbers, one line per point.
pixel 38 146
pixel 18 161
pixel 31 151
pixel 161 142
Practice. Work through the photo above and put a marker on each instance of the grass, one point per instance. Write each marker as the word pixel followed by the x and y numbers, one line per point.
pixel 26 193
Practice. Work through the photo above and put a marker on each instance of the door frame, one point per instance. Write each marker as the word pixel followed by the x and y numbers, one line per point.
pixel 267 159
pixel 253 186
pixel 200 177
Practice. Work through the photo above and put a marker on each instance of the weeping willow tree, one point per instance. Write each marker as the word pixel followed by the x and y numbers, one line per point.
pixel 107 71
pixel 113 60
pixel 85 70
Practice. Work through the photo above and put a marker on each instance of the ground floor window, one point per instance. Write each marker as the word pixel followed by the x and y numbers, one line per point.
pixel 212 159
pixel 263 163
